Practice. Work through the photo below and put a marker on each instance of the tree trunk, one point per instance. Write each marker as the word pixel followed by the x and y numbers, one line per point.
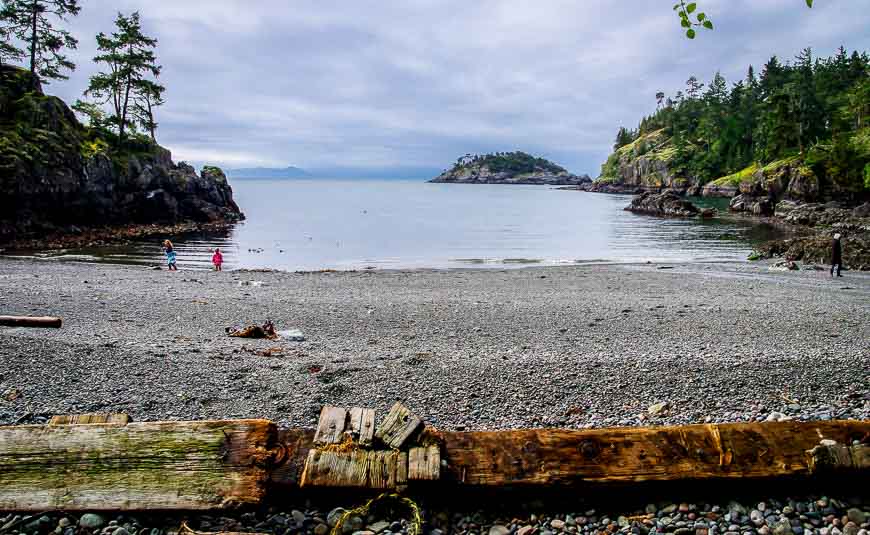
pixel 30 321
pixel 123 119
pixel 34 40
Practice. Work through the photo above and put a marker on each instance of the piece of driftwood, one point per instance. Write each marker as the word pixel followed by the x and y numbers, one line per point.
pixel 398 426
pixel 80 419
pixel 351 469
pixel 362 425
pixel 330 427
pixel 553 456
pixel 45 322
pixel 564 457
pixel 839 457
pixel 424 463
pixel 152 465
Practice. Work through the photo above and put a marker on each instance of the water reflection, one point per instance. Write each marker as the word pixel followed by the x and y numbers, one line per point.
pixel 309 225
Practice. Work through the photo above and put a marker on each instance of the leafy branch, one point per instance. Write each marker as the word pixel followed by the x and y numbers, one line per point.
pixel 690 20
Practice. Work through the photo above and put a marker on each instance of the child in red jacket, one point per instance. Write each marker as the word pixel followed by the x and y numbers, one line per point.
pixel 217 259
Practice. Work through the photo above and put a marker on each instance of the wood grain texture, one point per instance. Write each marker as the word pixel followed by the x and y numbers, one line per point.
pixel 45 322
pixel 330 427
pixel 398 426
pixel 352 469
pixel 154 465
pixel 82 419
pixel 362 425
pixel 839 457
pixel 424 463
pixel 552 456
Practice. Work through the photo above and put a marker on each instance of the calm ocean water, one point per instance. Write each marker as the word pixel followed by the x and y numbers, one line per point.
pixel 326 224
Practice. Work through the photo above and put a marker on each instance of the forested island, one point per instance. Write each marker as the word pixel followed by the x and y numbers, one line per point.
pixel 508 168
pixel 792 142
pixel 797 130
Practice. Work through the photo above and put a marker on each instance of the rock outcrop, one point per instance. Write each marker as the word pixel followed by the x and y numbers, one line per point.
pixel 667 203
pixel 509 168
pixel 57 174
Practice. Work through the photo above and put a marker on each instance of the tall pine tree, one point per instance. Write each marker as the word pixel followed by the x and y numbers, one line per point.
pixel 32 22
pixel 128 85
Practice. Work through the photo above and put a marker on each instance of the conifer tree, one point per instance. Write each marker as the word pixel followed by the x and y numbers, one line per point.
pixel 128 84
pixel 32 22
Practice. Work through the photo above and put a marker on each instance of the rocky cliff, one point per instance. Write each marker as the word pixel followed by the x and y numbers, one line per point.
pixel 56 174
pixel 509 168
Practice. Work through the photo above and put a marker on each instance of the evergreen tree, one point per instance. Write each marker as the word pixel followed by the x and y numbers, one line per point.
pixel 31 21
pixel 131 63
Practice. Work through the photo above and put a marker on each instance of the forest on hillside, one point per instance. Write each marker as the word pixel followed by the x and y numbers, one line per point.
pixel 516 162
pixel 813 108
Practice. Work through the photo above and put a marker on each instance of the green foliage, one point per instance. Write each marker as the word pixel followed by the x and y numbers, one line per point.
pixel 815 108
pixel 32 22
pixel 91 148
pixel 129 84
pixel 508 162
pixel 691 19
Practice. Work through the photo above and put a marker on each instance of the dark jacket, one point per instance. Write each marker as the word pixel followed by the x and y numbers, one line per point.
pixel 836 252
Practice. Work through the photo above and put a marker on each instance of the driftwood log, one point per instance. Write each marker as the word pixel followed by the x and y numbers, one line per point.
pixel 546 457
pixel 159 465
pixel 46 322
pixel 211 465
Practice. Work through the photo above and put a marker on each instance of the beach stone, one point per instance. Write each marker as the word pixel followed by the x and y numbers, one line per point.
pixel 120 531
pixel 669 509
pixel 756 517
pixel 378 527
pixel 498 529
pixel 526 530
pixel 321 529
pixel 658 409
pixel 92 521
pixel 557 524
pixel 850 528
pixel 783 527
pixel 64 523
pixel 856 515
pixel 334 516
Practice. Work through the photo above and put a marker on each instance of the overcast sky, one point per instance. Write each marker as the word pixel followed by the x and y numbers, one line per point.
pixel 420 82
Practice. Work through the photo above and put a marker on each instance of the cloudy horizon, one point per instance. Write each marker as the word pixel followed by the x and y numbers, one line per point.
pixel 417 84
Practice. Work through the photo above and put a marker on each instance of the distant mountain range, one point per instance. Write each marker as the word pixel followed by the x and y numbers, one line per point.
pixel 384 173
pixel 267 172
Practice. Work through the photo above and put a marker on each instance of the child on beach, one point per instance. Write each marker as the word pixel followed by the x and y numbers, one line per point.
pixel 217 259
pixel 169 251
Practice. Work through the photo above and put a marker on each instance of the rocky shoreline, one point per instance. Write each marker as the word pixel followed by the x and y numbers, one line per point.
pixel 814 515
pixel 75 237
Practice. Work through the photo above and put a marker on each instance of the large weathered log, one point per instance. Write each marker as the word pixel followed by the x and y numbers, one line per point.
pixel 551 456
pixel 561 456
pixel 158 465
pixel 31 321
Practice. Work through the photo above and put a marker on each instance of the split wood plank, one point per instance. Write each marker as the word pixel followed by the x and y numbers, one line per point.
pixel 398 426
pixel 44 322
pixel 562 456
pixel 80 419
pixel 148 465
pixel 424 463
pixel 352 469
pixel 330 428
pixel 553 456
pixel 402 469
pixel 362 425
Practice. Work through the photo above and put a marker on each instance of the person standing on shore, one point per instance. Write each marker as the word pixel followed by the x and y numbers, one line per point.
pixel 169 251
pixel 217 259
pixel 836 255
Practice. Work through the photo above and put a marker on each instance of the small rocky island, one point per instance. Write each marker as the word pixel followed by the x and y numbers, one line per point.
pixel 509 168
pixel 60 179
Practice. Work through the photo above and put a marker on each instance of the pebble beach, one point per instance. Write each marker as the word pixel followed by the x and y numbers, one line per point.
pixel 575 347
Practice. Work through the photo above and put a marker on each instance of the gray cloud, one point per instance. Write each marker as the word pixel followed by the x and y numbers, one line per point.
pixel 419 82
